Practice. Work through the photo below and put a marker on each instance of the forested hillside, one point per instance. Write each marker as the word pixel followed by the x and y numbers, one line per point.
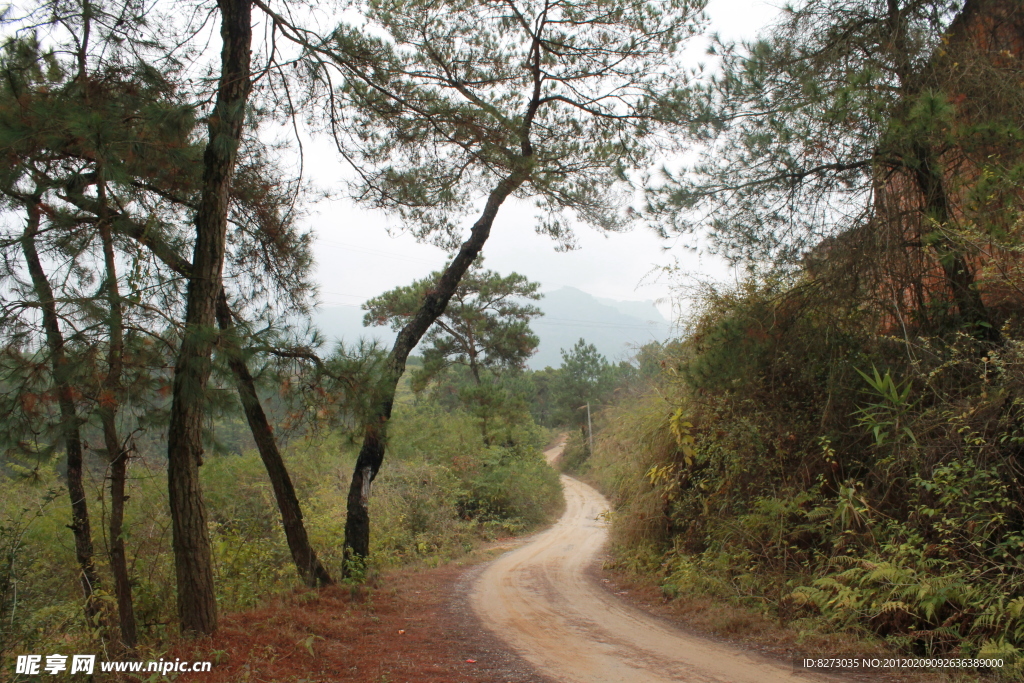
pixel 836 442
pixel 616 328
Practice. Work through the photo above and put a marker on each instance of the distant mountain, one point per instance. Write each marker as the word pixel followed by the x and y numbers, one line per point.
pixel 645 310
pixel 614 327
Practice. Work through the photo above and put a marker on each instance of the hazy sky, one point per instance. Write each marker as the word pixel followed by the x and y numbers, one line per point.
pixel 357 259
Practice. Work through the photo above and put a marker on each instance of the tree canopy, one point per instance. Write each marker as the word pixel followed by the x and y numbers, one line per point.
pixel 847 129
pixel 105 161
pixel 454 108
pixel 584 377
pixel 486 325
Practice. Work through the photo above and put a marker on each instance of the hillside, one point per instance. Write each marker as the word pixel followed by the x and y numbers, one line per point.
pixel 614 327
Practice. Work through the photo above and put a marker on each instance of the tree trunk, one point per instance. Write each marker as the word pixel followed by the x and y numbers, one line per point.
pixel 475 370
pixel 371 454
pixel 69 418
pixel 310 569
pixel 116 452
pixel 959 275
pixel 118 559
pixel 193 562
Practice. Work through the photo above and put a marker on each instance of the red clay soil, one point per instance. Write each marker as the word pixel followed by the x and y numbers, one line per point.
pixel 413 627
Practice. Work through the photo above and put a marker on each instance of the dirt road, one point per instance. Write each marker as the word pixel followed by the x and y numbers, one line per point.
pixel 540 599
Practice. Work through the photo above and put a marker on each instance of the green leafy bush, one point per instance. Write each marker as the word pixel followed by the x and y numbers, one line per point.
pixel 792 459
pixel 575 453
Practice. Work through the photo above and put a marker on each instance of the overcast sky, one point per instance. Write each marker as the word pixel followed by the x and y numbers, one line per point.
pixel 357 259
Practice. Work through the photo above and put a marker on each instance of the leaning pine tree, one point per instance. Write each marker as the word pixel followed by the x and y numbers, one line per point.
pixel 485 328
pixel 456 107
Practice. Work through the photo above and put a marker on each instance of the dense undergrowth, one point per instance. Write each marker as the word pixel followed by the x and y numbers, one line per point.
pixel 788 457
pixel 442 492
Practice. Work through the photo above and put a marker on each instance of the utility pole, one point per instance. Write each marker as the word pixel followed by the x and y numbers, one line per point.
pixel 590 430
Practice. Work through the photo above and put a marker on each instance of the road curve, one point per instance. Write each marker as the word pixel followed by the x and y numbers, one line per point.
pixel 540 600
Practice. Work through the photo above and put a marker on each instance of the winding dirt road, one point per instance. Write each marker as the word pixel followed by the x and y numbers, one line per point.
pixel 541 601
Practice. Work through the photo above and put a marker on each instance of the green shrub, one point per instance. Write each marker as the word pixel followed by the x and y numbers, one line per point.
pixel 440 492
pixel 575 454
pixel 791 459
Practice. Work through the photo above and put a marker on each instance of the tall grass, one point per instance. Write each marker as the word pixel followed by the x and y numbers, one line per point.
pixel 441 492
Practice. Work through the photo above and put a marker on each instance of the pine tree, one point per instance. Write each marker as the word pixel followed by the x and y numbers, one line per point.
pixel 458 106
pixel 485 328
pixel 116 148
pixel 841 135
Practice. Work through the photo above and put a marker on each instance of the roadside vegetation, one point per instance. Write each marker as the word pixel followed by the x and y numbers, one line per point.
pixel 803 481
pixel 444 494
pixel 835 441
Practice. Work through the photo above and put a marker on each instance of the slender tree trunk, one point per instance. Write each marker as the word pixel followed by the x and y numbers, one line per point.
pixel 118 557
pixel 310 569
pixel 474 369
pixel 69 418
pixel 193 562
pixel 958 272
pixel 116 452
pixel 371 454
